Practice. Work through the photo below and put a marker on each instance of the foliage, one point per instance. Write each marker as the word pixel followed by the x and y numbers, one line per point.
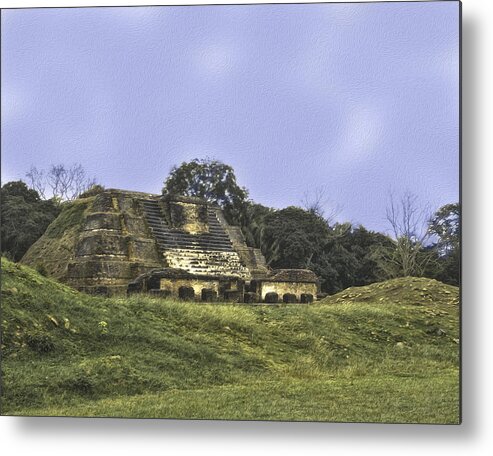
pixel 407 255
pixel 386 352
pixel 211 180
pixel 94 190
pixel 292 237
pixel 50 254
pixel 25 217
pixel 348 257
pixel 253 223
pixel 445 225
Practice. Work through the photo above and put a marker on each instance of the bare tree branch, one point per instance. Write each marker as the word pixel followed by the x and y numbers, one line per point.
pixel 409 226
pixel 37 181
pixel 65 183
pixel 316 201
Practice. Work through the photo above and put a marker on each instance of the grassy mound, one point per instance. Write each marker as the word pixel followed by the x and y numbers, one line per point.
pixel 405 290
pixel 353 357
pixel 51 253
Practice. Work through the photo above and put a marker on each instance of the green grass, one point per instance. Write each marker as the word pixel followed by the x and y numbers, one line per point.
pixel 52 251
pixel 353 357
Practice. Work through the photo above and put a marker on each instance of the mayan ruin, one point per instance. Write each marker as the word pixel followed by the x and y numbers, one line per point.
pixel 178 247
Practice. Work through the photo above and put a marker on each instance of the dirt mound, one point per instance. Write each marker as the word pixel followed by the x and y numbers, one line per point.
pixel 404 290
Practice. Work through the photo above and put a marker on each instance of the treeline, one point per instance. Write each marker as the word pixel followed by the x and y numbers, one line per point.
pixel 342 255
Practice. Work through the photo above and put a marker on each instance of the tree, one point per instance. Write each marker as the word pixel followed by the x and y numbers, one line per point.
pixel 292 237
pixel 211 180
pixel 445 225
pixel 62 182
pixel 316 201
pixel 361 243
pixel 347 260
pixel 408 223
pixel 25 217
pixel 253 223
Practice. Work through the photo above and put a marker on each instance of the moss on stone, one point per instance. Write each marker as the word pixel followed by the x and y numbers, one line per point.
pixel 52 252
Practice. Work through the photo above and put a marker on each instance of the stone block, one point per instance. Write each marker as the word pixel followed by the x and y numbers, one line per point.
pixel 103 203
pixel 101 244
pixel 143 249
pixel 135 225
pixel 102 221
pixel 99 268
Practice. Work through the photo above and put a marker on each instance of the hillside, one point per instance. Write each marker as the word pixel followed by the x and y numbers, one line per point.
pixel 53 250
pixel 387 352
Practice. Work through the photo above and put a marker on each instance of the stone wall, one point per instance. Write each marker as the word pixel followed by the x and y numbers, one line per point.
pixel 281 288
pixel 212 262
pixel 117 236
pixel 169 282
pixel 114 245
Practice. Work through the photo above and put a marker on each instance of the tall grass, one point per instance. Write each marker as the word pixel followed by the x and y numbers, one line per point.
pixel 346 359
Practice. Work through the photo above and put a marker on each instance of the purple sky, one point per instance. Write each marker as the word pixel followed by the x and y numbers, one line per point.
pixel 361 99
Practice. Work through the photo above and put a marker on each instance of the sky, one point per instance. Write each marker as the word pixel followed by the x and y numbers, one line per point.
pixel 361 100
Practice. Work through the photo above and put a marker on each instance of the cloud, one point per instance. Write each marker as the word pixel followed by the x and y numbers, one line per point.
pixel 360 134
pixel 15 102
pixel 216 59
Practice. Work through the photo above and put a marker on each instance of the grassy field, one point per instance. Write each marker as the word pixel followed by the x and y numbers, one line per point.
pixel 383 353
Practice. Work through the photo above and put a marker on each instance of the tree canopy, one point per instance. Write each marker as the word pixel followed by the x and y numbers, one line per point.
pixel 445 225
pixel 25 217
pixel 292 236
pixel 212 180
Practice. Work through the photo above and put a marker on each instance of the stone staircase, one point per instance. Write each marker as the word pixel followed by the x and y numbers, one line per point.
pixel 205 253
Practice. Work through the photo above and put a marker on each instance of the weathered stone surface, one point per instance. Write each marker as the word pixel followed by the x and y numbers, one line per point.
pixel 102 221
pixel 99 268
pixel 120 241
pixel 142 249
pixel 99 243
pixel 282 288
pixel 135 225
pixel 104 203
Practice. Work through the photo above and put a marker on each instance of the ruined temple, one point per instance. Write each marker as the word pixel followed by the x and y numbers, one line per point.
pixel 121 242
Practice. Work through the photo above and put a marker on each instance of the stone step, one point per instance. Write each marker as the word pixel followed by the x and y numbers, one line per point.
pixel 160 230
pixel 166 247
pixel 203 247
pixel 165 237
pixel 155 221
pixel 153 214
pixel 205 253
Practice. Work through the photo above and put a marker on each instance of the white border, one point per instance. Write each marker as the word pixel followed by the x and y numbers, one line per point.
pixel 51 436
